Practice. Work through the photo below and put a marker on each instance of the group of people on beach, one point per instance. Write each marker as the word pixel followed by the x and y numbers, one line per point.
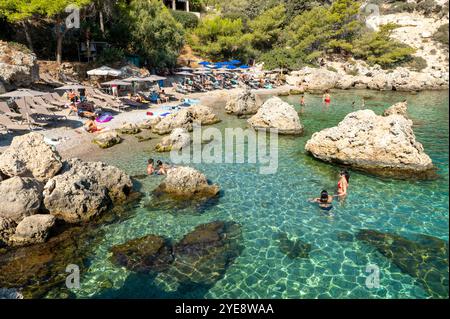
pixel 325 200
pixel 159 169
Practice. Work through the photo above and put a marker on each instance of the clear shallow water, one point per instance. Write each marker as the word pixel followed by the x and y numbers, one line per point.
pixel 268 204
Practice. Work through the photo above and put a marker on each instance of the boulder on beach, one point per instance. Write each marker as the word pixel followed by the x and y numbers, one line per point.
pixel 21 197
pixel 178 139
pixel 187 182
pixel 18 65
pixel 380 145
pixel 85 189
pixel 33 229
pixel 30 156
pixel 149 123
pixel 277 114
pixel 129 128
pixel 422 257
pixel 313 79
pixel 400 108
pixel 147 254
pixel 107 139
pixel 185 118
pixel 243 104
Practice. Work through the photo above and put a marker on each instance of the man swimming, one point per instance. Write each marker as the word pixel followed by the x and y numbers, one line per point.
pixel 324 200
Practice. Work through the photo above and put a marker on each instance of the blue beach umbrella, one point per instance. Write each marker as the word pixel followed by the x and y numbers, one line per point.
pixel 235 62
pixel 244 66
pixel 204 63
pixel 231 67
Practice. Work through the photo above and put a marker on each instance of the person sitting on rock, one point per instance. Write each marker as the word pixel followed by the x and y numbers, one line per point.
pixel 324 200
pixel 150 169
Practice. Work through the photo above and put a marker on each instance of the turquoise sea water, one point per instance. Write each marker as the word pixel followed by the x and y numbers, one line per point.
pixel 266 205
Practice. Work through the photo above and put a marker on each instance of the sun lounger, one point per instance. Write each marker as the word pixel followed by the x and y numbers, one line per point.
pixel 4 108
pixel 40 107
pixel 8 125
pixel 103 100
pixel 30 116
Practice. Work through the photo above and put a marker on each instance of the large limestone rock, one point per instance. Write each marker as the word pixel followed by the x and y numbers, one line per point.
pixel 29 156
pixel 313 79
pixel 75 198
pixel 21 197
pixel 33 229
pixel 244 104
pixel 400 108
pixel 185 118
pixel 18 66
pixel 377 144
pixel 129 128
pixel 187 182
pixel 275 113
pixel 107 139
pixel 178 139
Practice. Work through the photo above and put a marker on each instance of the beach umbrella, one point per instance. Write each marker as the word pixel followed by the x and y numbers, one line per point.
pixel 201 72
pixel 231 67
pixel 117 82
pixel 244 66
pixel 212 66
pixel 105 71
pixel 184 73
pixel 134 79
pixel 185 68
pixel 204 63
pixel 23 93
pixel 234 62
pixel 71 87
pixel 158 77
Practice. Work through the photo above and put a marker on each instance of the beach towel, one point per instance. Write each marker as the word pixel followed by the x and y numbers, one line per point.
pixel 105 117
pixel 164 114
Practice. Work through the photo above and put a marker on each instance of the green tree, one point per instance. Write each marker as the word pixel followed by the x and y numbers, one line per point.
pixel 221 38
pixel 155 33
pixel 379 48
pixel 267 28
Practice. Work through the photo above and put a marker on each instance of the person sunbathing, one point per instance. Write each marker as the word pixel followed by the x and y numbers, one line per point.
pixel 91 127
pixel 163 97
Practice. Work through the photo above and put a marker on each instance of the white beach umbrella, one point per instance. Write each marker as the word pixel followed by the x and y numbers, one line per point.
pixel 184 73
pixel 185 68
pixel 134 79
pixel 117 82
pixel 105 70
pixel 71 87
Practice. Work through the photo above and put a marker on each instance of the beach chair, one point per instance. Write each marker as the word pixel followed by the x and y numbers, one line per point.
pixel 104 100
pixel 30 116
pixel 40 106
pixel 8 125
pixel 4 109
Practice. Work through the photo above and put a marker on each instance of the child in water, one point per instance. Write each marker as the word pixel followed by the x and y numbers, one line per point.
pixel 324 200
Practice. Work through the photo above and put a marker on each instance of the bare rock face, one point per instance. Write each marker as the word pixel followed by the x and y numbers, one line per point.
pixel 75 198
pixel 275 113
pixel 18 66
pixel 33 229
pixel 400 108
pixel 313 79
pixel 178 139
pixel 7 229
pixel 21 197
pixel 380 145
pixel 244 104
pixel 185 118
pixel 29 156
pixel 187 182
pixel 107 139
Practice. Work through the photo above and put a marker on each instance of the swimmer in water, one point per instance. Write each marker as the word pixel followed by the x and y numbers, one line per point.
pixel 324 200
pixel 150 168
pixel 326 97
pixel 342 185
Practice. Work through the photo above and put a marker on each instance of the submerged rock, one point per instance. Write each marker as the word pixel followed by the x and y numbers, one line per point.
pixel 400 108
pixel 293 248
pixel 426 259
pixel 203 255
pixel 21 197
pixel 178 139
pixel 107 139
pixel 29 156
pixel 33 229
pixel 277 114
pixel 147 254
pixel 380 145
pixel 244 104
pixel 187 182
pixel 185 118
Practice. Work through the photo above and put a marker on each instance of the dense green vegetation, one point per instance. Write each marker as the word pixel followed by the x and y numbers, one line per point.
pixel 286 33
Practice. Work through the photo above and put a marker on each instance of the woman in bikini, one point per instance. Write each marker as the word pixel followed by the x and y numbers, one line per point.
pixel 326 97
pixel 342 188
